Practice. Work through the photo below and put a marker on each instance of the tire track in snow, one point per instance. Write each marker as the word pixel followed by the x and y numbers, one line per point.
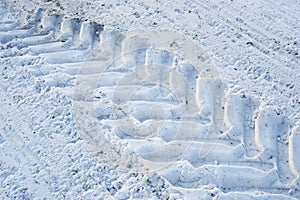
pixel 83 42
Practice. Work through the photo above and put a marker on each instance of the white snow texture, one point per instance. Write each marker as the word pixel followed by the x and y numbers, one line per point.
pixel 149 100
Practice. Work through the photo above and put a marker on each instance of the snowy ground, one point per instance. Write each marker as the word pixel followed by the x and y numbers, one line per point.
pixel 140 100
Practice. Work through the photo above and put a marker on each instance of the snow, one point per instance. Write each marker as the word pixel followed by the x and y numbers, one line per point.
pixel 149 100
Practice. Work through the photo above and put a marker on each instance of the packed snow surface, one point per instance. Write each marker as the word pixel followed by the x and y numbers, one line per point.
pixel 149 100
